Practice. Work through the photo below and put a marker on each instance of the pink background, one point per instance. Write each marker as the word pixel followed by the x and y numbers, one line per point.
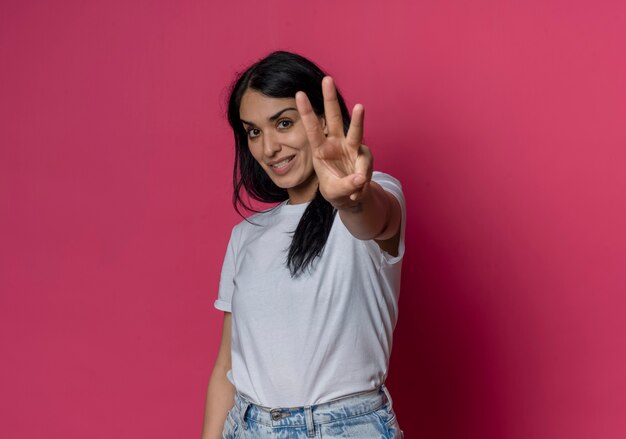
pixel 505 121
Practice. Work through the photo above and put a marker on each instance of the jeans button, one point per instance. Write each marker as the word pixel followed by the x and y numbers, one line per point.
pixel 276 415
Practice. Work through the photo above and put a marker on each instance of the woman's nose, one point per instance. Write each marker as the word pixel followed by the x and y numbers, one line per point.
pixel 271 145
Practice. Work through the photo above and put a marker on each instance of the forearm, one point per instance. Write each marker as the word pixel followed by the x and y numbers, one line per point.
pixel 219 400
pixel 375 215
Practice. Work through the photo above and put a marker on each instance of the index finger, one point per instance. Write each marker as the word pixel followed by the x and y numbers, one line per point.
pixel 312 125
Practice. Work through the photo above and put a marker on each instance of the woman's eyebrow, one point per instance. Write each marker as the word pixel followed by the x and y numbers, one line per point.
pixel 272 118
pixel 277 115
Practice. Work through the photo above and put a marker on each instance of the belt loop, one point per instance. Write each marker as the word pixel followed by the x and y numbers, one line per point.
pixel 244 408
pixel 310 428
pixel 387 394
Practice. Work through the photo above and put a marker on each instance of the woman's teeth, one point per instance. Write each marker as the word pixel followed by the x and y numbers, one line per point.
pixel 282 164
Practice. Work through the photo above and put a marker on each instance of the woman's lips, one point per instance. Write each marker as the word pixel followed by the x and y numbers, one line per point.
pixel 283 166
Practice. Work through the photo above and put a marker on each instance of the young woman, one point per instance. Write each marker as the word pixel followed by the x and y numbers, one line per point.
pixel 309 288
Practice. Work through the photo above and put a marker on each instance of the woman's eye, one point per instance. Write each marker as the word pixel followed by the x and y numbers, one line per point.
pixel 285 123
pixel 253 132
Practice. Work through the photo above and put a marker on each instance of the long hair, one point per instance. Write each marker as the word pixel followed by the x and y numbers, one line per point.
pixel 281 75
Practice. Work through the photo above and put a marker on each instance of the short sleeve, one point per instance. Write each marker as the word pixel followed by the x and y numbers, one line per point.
pixel 227 285
pixel 393 186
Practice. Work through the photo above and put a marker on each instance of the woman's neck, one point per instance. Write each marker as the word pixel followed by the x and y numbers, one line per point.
pixel 304 192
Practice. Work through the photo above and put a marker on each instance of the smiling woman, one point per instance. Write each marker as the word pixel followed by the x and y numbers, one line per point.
pixel 310 287
pixel 278 141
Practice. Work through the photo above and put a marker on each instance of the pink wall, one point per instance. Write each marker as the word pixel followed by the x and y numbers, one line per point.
pixel 504 121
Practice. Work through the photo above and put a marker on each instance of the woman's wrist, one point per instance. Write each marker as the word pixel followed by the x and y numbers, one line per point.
pixel 348 205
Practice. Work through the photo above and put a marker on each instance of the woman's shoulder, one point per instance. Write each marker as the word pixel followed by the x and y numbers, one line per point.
pixel 383 177
pixel 260 218
pixel 390 184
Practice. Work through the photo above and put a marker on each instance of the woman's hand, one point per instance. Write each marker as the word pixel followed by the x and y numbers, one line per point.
pixel 343 165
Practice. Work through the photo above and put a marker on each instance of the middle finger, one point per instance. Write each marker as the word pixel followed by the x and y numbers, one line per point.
pixel 332 112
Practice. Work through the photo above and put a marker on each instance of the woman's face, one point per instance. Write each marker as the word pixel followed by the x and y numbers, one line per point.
pixel 278 141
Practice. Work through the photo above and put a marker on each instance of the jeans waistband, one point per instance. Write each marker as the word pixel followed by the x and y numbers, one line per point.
pixel 306 416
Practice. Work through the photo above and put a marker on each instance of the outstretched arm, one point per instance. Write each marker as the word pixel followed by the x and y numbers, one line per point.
pixel 343 166
pixel 376 214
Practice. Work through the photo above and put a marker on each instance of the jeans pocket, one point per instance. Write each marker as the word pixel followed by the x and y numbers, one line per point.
pixel 389 420
pixel 231 425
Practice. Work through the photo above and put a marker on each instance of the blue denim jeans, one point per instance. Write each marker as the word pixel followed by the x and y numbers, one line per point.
pixel 367 415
